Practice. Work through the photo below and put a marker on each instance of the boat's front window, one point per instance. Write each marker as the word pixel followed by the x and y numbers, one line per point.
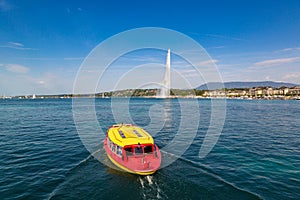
pixel 138 150
pixel 148 149
pixel 128 151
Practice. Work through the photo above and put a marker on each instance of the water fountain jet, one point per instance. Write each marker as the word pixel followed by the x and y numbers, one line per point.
pixel 164 92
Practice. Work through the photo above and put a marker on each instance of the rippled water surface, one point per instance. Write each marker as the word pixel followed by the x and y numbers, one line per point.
pixel 257 155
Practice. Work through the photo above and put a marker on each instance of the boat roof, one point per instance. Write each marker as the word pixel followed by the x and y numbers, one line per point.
pixel 127 134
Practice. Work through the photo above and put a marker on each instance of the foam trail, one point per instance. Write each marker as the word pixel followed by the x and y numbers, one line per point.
pixel 150 188
pixel 141 181
pixel 149 179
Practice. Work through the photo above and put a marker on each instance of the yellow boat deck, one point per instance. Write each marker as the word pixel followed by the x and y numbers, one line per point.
pixel 127 134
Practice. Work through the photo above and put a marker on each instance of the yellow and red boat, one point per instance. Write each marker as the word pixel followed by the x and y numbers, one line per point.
pixel 132 149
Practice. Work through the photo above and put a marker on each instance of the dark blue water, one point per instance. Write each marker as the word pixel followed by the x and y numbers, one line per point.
pixel 257 155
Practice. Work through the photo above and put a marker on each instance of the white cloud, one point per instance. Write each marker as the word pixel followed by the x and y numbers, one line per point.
pixel 16 45
pixel 225 37
pixel 291 49
pixel 216 47
pixel 292 77
pixel 189 73
pixel 41 82
pixel 207 62
pixel 277 61
pixel 280 73
pixel 36 58
pixel 16 68
pixel 50 82
pixel 145 59
pixel 74 58
pixel 44 83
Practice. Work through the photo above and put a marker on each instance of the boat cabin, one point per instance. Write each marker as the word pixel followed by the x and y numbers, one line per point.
pixel 132 149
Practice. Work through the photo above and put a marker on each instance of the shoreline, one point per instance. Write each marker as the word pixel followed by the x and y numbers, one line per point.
pixel 150 97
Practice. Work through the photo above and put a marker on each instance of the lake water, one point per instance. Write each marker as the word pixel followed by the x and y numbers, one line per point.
pixel 257 155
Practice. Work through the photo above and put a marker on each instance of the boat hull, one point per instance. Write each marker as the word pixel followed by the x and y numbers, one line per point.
pixel 128 170
pixel 141 165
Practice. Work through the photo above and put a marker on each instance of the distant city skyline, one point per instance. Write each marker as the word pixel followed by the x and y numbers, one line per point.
pixel 42 44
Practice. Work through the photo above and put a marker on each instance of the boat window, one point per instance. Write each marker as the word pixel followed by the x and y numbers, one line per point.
pixel 121 134
pixel 110 143
pixel 128 151
pixel 119 151
pixel 148 149
pixel 137 133
pixel 138 150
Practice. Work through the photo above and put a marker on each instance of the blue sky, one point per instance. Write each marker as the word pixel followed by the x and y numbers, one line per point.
pixel 43 43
